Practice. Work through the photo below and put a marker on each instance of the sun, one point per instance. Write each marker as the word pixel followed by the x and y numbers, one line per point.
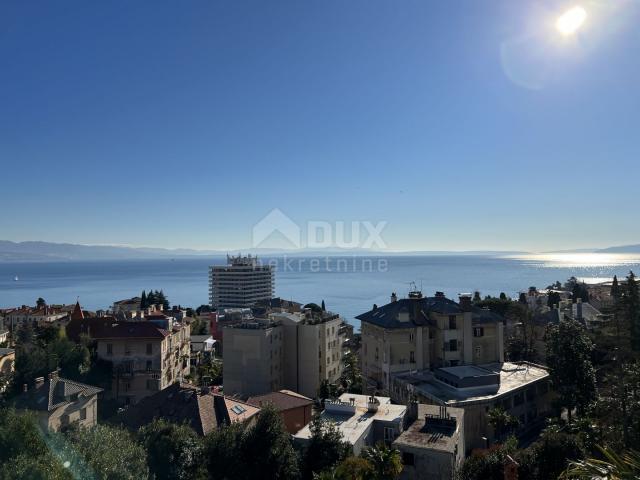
pixel 571 20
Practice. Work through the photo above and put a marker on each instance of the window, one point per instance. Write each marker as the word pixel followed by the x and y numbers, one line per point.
pixel 407 458
pixel 149 363
pixel 83 414
pixel 478 332
pixel 412 357
pixel 388 434
pixel 478 352
pixel 411 337
pixel 109 349
pixel 149 348
pixel 238 409
pixel 453 345
pixel 452 322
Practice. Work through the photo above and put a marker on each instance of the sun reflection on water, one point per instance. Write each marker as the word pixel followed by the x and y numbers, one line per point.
pixel 579 260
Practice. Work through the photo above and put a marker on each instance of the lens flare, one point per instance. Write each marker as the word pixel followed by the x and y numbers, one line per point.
pixel 571 20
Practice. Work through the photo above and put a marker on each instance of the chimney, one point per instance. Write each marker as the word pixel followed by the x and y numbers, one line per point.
pixel 394 297
pixel 412 413
pixel 465 301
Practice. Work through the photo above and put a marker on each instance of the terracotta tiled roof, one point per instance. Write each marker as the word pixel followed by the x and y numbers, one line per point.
pixel 282 400
pixel 185 403
pixel 77 313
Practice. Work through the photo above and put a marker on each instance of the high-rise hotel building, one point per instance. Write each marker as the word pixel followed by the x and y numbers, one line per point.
pixel 240 283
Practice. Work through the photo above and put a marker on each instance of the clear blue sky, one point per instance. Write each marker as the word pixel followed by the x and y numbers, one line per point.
pixel 463 124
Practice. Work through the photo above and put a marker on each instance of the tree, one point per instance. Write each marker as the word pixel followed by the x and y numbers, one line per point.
pixel 553 299
pixel 41 303
pixel 386 461
pixel 579 291
pixel 106 453
pixel 23 452
pixel 569 359
pixel 173 451
pixel 267 448
pixel 224 458
pixel 143 300
pixel 522 299
pixel 616 292
pixel 501 421
pixel 327 390
pixel 326 447
pixel 613 466
pixel 314 307
pixel 163 300
pixel 503 296
pixel 323 306
pixel 551 454
pixel 618 407
pixel 354 468
pixel 631 305
pixel 476 297
pixel 351 378
pixel 26 466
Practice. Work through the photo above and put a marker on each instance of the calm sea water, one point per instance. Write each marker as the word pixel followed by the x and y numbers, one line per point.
pixel 349 285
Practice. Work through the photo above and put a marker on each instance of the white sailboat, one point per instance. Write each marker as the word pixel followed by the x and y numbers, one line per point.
pixel 15 279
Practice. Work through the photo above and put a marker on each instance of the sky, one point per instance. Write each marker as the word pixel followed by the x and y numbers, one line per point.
pixel 463 125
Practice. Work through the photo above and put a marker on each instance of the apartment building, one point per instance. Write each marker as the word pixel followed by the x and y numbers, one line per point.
pixel 432 444
pixel 362 420
pixel 295 351
pixel 417 333
pixel 253 358
pixel 34 316
pixel 146 356
pixel 522 389
pixel 312 349
pixel 241 283
pixel 59 403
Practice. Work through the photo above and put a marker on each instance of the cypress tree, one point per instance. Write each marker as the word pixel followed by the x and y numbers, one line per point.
pixel 143 300
pixel 615 289
pixel 632 310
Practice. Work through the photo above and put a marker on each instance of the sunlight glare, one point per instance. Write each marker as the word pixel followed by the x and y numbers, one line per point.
pixel 571 20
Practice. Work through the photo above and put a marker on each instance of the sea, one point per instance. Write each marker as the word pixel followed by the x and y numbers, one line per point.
pixel 349 285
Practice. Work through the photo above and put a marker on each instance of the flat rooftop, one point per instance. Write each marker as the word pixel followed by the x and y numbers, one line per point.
pixel 463 371
pixel 427 432
pixel 354 425
pixel 513 376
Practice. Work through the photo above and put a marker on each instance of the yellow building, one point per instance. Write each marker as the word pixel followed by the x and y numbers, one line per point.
pixel 417 333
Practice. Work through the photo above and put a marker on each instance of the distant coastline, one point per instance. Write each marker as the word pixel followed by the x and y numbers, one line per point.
pixel 36 251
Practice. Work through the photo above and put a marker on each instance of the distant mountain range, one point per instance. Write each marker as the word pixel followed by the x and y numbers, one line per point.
pixel 46 251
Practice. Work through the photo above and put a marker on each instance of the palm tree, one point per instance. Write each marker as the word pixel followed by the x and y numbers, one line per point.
pixel 614 466
pixel 326 475
pixel 387 462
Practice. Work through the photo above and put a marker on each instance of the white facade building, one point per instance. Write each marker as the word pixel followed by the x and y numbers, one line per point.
pixel 240 283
